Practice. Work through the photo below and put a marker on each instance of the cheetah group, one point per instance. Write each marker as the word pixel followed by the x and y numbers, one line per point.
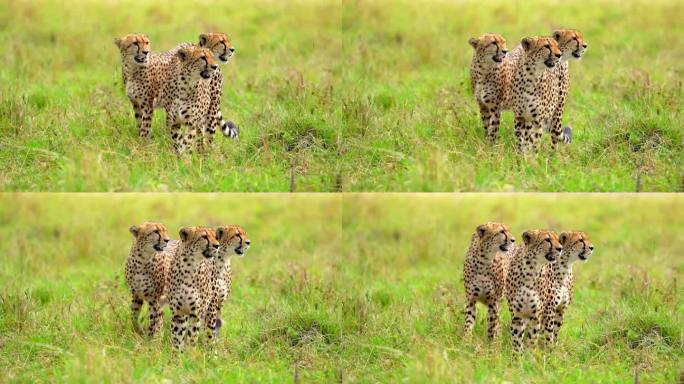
pixel 193 276
pixel 535 278
pixel 532 81
pixel 185 81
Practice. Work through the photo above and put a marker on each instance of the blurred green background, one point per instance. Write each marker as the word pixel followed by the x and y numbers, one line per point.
pixel 357 288
pixel 406 253
pixel 412 124
pixel 67 125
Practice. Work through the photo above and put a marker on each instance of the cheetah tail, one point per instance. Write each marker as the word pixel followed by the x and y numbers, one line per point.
pixel 567 134
pixel 229 129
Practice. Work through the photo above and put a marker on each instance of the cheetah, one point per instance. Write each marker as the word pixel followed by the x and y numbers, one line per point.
pixel 221 46
pixel 533 96
pixel 233 240
pixel 557 281
pixel 186 95
pixel 188 282
pixel 145 272
pixel 490 80
pixel 144 74
pixel 572 45
pixel 522 282
pixel 484 273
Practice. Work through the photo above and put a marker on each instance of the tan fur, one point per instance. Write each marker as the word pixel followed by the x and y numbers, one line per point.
pixel 146 272
pixel 557 281
pixel 572 45
pixel 484 273
pixel 490 80
pixel 223 50
pixel 176 80
pixel 522 282
pixel 189 281
pixel 533 96
pixel 233 240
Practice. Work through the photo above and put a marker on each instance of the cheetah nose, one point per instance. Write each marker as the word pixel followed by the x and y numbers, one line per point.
pixel 214 67
pixel 504 51
pixel 216 246
pixel 591 247
pixel 247 242
pixel 559 249
pixel 232 49
pixel 512 240
pixel 585 45
pixel 145 52
pixel 558 55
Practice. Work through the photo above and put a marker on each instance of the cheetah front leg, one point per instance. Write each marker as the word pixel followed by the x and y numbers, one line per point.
pixel 178 328
pixel 193 328
pixel 146 110
pixel 211 321
pixel 557 323
pixel 486 116
pixel 517 333
pixel 557 135
pixel 521 133
pixel 470 315
pixel 136 305
pixel 156 317
pixel 532 329
pixel 174 127
pixel 195 127
pixel 494 328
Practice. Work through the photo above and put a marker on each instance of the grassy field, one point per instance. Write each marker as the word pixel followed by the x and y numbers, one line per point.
pixel 66 124
pixel 64 303
pixel 405 264
pixel 338 95
pixel 351 288
pixel 411 123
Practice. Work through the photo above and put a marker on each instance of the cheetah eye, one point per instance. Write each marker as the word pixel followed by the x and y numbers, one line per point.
pixel 548 45
pixel 205 237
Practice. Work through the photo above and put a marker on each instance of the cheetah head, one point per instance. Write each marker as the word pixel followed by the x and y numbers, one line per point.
pixel 544 244
pixel 576 246
pixel 220 45
pixel 134 47
pixel 571 43
pixel 233 239
pixel 199 61
pixel 494 237
pixel 201 241
pixel 151 237
pixel 490 46
pixel 542 51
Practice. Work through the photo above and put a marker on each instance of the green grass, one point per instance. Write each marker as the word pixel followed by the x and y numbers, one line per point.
pixel 66 124
pixel 411 122
pixel 366 288
pixel 338 95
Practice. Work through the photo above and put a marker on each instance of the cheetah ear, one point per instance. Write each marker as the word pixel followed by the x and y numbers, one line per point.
pixel 117 41
pixel 526 43
pixel 219 232
pixel 563 238
pixel 556 35
pixel 473 42
pixel 203 40
pixel 182 54
pixel 135 230
pixel 184 233
pixel 527 237
pixel 481 229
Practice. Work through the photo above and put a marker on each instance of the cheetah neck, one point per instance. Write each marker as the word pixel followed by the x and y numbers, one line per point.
pixel 187 85
pixel 529 262
pixel 531 72
pixel 138 253
pixel 562 271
